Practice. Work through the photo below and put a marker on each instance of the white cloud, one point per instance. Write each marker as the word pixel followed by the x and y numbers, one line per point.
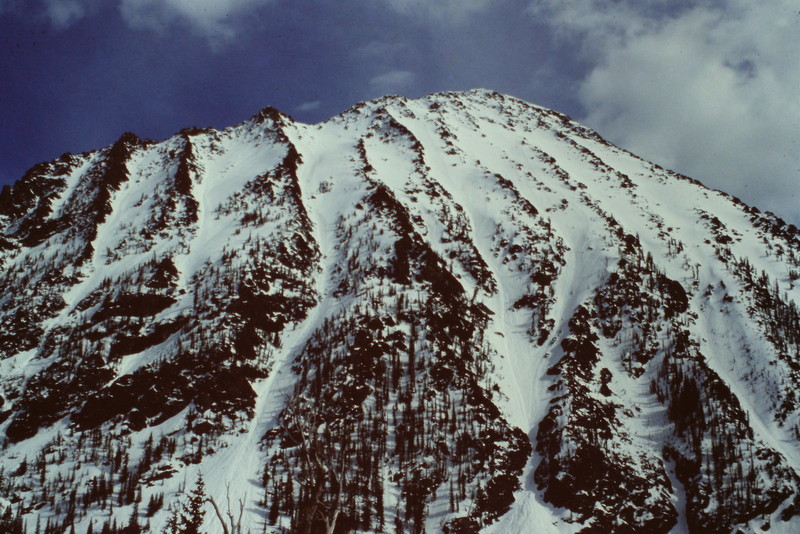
pixel 309 106
pixel 709 89
pixel 440 11
pixel 380 50
pixel 214 19
pixel 394 81
pixel 64 13
pixel 211 18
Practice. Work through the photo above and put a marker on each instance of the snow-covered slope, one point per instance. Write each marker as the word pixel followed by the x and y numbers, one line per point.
pixel 462 313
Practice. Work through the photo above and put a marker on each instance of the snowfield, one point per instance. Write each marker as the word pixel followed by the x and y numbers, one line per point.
pixel 461 313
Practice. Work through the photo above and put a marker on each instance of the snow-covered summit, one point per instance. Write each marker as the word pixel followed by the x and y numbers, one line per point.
pixel 459 313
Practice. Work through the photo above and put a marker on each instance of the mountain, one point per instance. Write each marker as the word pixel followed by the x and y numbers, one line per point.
pixel 461 313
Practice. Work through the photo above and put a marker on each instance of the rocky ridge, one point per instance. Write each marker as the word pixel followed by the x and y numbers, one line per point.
pixel 461 313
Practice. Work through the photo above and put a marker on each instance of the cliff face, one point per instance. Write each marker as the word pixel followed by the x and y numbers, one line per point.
pixel 460 313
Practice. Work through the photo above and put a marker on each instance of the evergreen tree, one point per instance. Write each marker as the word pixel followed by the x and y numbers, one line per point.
pixel 173 523
pixel 194 511
pixel 133 524
pixel 187 517
pixel 154 504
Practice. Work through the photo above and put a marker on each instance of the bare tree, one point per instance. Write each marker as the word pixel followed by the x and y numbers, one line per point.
pixel 323 466
pixel 234 524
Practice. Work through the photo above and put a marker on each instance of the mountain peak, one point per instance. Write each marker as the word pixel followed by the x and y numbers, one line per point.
pixel 459 313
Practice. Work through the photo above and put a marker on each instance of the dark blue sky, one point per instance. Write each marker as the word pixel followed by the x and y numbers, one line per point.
pixel 78 88
pixel 75 74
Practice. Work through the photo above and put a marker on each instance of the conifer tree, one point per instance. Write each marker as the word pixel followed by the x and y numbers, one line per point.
pixel 187 517
pixel 194 511
pixel 173 522
pixel 133 524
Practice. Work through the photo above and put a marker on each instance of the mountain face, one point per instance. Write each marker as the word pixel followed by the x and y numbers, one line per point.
pixel 462 313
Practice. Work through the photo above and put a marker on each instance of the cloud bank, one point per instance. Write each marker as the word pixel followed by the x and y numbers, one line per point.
pixel 706 88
